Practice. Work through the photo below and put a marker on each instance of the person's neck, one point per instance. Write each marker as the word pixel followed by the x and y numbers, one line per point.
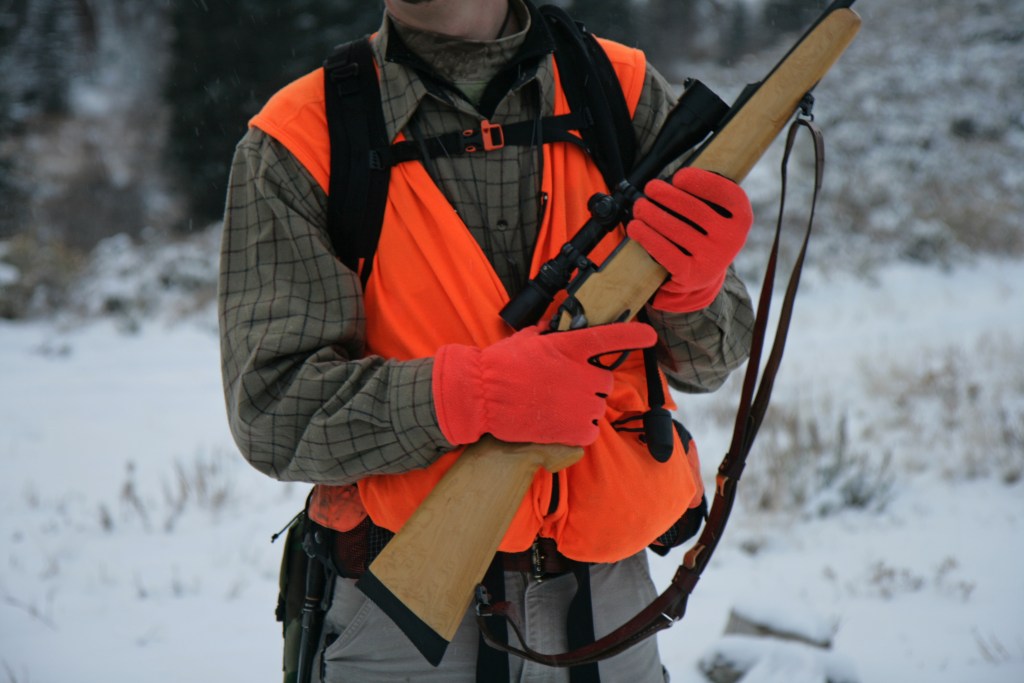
pixel 479 20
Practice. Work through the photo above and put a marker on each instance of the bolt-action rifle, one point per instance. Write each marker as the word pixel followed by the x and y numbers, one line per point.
pixel 425 578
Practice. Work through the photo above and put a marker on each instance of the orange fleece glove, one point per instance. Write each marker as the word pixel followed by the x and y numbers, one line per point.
pixel 531 387
pixel 693 227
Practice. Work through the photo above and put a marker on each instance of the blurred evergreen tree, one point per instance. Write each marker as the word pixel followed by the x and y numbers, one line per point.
pixel 791 15
pixel 36 39
pixel 615 19
pixel 675 33
pixel 228 58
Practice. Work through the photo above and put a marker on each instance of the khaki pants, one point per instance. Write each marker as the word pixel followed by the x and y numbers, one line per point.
pixel 366 647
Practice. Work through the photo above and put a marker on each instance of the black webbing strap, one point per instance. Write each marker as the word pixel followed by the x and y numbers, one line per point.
pixel 657 420
pixel 591 85
pixel 492 664
pixel 358 192
pixel 486 137
pixel 580 625
pixel 670 606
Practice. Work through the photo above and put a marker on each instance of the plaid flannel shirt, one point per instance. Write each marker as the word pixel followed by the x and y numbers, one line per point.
pixel 304 402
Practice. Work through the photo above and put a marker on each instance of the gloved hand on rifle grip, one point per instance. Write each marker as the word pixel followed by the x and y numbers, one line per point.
pixel 694 227
pixel 531 387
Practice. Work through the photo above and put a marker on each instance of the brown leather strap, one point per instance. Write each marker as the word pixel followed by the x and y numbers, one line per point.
pixel 670 606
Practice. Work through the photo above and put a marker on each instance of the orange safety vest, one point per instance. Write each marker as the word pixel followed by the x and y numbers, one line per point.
pixel 431 285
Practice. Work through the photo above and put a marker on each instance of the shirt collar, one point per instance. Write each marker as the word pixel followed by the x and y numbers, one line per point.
pixel 406 77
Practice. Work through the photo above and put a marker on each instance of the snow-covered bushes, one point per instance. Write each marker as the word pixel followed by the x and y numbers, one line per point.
pixel 133 280
pixel 809 462
pixel 127 278
pixel 35 278
pixel 203 485
pixel 965 407
pixel 951 412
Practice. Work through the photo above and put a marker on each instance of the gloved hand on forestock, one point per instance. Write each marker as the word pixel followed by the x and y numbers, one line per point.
pixel 694 227
pixel 531 387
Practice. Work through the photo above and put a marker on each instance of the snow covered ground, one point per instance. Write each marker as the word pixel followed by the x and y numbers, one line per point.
pixel 135 541
pixel 883 506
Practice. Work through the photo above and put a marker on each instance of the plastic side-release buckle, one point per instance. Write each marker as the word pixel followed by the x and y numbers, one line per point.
pixel 491 136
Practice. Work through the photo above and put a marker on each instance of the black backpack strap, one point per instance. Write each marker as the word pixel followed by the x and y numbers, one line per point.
pixel 592 87
pixel 485 137
pixel 358 190
pixel 362 155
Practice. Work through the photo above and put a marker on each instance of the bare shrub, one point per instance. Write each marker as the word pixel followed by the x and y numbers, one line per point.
pixel 202 483
pixel 133 279
pixel 43 615
pixel 12 677
pixel 131 501
pixel 994 651
pixel 41 275
pixel 805 461
pixel 889 581
pixel 964 408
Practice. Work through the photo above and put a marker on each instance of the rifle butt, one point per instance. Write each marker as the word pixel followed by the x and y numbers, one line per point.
pixel 425 577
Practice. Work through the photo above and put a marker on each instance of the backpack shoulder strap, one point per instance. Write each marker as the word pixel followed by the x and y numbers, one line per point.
pixel 592 86
pixel 357 193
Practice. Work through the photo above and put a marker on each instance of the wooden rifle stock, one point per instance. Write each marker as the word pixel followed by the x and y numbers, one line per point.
pixel 425 578
pixel 426 581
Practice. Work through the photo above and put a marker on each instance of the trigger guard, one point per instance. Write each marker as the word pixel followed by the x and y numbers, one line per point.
pixel 596 360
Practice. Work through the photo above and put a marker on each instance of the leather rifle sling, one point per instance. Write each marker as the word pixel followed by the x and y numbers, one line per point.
pixel 670 606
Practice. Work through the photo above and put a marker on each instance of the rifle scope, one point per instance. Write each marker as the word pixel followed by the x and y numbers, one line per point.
pixel 697 113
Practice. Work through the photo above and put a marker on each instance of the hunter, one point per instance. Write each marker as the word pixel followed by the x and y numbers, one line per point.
pixel 370 390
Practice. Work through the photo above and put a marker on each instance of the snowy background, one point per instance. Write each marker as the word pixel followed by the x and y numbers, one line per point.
pixel 883 509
